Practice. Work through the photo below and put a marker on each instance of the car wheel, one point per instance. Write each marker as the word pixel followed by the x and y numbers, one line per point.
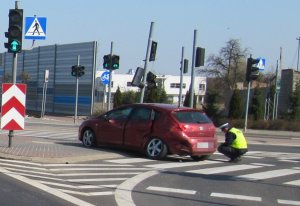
pixel 200 158
pixel 156 149
pixel 88 138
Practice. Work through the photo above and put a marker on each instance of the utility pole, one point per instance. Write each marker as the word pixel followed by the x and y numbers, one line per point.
pixel 298 39
pixel 146 62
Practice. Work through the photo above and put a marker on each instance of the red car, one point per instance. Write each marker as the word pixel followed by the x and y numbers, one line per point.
pixel 156 129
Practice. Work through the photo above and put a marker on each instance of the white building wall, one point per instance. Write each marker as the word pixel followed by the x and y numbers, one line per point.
pixel 170 82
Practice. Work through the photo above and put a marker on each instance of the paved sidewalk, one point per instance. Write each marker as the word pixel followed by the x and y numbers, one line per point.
pixel 38 149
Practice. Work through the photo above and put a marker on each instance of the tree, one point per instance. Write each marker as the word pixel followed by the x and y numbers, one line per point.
pixel 118 98
pixel 295 103
pixel 235 105
pixel 129 97
pixel 210 107
pixel 229 65
pixel 257 107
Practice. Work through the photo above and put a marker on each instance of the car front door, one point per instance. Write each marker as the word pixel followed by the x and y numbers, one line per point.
pixel 111 129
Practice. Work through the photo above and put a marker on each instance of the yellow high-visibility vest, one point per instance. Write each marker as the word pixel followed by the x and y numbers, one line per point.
pixel 240 141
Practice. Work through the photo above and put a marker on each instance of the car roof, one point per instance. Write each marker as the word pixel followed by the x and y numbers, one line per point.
pixel 169 107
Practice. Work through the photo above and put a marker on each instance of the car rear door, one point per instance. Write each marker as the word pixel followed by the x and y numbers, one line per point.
pixel 138 127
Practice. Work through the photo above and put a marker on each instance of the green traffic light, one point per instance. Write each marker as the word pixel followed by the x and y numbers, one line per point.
pixel 15 46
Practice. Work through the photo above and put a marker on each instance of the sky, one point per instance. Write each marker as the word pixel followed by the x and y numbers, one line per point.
pixel 261 26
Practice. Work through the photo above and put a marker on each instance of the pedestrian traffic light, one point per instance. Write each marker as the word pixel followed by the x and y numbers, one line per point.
pixel 107 61
pixel 115 61
pixel 14 33
pixel 153 51
pixel 151 83
pixel 252 72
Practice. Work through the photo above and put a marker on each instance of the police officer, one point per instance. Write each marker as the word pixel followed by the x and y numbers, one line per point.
pixel 235 144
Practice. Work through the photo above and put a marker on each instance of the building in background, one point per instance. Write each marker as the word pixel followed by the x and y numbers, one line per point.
pixel 171 85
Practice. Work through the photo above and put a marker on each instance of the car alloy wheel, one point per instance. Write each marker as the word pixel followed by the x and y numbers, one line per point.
pixel 88 138
pixel 156 149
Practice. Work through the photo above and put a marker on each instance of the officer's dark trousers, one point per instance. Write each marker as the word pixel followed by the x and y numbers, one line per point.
pixel 231 152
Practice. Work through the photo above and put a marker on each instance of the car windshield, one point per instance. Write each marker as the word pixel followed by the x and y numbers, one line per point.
pixel 191 117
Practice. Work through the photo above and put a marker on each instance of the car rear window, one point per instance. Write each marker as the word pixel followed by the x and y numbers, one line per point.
pixel 191 117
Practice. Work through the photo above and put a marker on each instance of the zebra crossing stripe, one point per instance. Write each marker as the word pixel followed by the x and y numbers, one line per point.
pixel 181 164
pixel 129 160
pixel 295 183
pixel 217 170
pixel 288 202
pixel 269 174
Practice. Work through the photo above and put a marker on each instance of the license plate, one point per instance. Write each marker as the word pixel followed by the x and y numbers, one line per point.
pixel 203 145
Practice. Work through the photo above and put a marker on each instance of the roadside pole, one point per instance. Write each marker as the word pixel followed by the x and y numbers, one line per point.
pixel 193 71
pixel 110 78
pixel 247 105
pixel 14 79
pixel 76 97
pixel 146 62
pixel 181 77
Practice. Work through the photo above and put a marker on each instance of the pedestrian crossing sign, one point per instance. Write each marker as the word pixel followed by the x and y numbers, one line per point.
pixel 35 28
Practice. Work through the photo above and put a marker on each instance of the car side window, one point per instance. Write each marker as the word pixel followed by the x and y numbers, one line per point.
pixel 120 114
pixel 141 114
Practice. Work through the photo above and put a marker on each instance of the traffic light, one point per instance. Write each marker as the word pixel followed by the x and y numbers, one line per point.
pixel 151 83
pixel 74 71
pixel 115 62
pixel 137 78
pixel 200 54
pixel 185 66
pixel 252 72
pixel 80 70
pixel 77 70
pixel 15 28
pixel 107 61
pixel 153 51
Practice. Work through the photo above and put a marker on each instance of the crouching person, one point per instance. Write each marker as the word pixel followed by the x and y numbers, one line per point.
pixel 235 144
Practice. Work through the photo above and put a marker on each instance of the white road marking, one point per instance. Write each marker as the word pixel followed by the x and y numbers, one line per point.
pixel 262 164
pixel 129 160
pixel 288 202
pixel 97 169
pixel 88 194
pixel 47 189
pixel 123 192
pixel 269 174
pixel 86 165
pixel 96 180
pixel 181 164
pixel 233 196
pixel 217 170
pixel 79 186
pixel 295 183
pixel 172 190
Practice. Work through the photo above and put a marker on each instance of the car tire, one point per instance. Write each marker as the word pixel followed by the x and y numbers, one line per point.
pixel 156 149
pixel 88 138
pixel 200 157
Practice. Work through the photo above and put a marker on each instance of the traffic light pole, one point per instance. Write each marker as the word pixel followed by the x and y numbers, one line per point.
pixel 193 71
pixel 181 77
pixel 76 97
pixel 110 78
pixel 14 79
pixel 146 62
pixel 247 105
